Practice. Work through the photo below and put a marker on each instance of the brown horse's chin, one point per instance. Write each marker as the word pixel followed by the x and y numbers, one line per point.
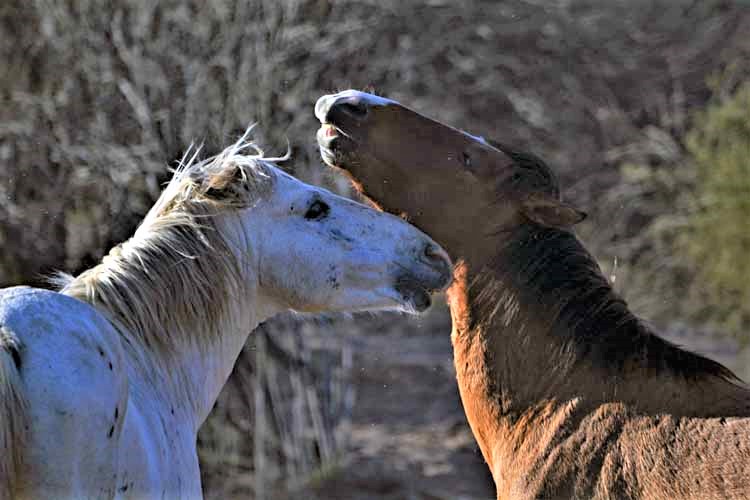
pixel 329 157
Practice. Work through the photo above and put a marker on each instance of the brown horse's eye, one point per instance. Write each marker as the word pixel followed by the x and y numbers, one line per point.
pixel 466 159
pixel 317 210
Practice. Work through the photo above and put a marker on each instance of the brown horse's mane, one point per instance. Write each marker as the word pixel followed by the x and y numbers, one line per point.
pixel 545 177
pixel 552 273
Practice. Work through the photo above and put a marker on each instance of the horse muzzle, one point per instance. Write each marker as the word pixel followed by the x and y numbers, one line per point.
pixel 431 273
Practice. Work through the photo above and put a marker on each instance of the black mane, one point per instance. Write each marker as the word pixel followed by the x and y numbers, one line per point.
pixel 552 269
pixel 549 270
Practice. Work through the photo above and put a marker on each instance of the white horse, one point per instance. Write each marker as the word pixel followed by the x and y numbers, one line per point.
pixel 103 386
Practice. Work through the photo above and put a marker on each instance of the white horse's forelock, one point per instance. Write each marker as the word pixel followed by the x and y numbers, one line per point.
pixel 175 274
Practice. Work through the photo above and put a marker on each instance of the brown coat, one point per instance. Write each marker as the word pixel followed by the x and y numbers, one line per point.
pixel 568 394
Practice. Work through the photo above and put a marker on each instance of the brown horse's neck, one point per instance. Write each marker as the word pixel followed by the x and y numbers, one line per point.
pixel 539 333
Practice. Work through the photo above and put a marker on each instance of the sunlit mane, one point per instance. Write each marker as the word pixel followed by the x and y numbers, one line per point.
pixel 175 274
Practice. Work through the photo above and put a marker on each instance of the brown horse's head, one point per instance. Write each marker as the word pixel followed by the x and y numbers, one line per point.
pixel 461 189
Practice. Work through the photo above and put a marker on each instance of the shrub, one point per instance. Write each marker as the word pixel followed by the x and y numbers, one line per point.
pixel 719 238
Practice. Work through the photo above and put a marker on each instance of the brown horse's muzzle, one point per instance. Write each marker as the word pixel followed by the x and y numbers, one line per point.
pixel 350 106
pixel 343 118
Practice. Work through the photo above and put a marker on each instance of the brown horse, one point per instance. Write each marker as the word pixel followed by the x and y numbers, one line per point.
pixel 568 394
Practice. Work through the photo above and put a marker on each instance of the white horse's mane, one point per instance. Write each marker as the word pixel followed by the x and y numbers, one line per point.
pixel 177 272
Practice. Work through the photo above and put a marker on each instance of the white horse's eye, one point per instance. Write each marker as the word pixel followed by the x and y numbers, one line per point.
pixel 318 210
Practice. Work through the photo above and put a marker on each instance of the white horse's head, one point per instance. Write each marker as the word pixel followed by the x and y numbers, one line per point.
pixel 316 251
pixel 309 250
pixel 235 237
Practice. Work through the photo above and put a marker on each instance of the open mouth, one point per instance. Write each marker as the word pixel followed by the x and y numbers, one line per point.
pixel 330 140
pixel 415 297
pixel 328 131
pixel 327 134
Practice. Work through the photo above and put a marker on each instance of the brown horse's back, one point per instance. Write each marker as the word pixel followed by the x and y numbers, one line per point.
pixel 611 453
pixel 689 457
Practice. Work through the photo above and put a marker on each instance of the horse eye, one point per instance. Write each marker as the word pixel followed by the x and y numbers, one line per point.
pixel 317 210
pixel 467 159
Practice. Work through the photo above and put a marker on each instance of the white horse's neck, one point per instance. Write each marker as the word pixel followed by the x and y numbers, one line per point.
pixel 197 369
pixel 184 310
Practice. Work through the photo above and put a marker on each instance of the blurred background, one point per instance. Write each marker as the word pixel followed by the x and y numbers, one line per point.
pixel 642 107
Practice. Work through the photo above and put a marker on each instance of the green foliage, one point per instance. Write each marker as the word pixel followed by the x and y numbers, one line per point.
pixel 677 249
pixel 719 238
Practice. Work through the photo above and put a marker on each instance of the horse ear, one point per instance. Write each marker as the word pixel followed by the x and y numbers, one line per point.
pixel 223 184
pixel 233 183
pixel 551 212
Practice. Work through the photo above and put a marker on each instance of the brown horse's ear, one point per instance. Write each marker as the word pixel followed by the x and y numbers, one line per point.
pixel 551 212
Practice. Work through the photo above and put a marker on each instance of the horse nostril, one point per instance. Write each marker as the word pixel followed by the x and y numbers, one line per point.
pixel 357 109
pixel 434 254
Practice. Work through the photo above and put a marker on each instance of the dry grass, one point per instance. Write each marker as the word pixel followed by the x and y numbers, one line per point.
pixel 284 416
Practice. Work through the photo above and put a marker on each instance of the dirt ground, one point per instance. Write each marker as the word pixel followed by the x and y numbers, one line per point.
pixel 409 437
